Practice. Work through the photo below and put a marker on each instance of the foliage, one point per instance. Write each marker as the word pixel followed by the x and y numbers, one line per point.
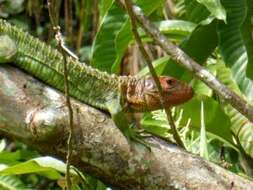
pixel 217 34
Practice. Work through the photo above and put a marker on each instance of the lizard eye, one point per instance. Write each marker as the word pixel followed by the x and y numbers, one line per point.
pixel 171 82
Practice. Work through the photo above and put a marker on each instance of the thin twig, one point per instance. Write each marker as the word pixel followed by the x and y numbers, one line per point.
pixel 68 19
pixel 176 136
pixel 95 18
pixel 188 63
pixel 65 52
pixel 82 20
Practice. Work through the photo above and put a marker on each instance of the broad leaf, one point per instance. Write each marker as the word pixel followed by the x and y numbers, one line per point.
pixel 201 42
pixel 158 64
pixel 15 157
pixel 236 44
pixel 2 144
pixel 216 122
pixel 199 45
pixel 115 35
pixel 240 125
pixel 125 36
pixel 11 183
pixel 104 7
pixel 103 49
pixel 173 29
pixel 195 12
pixel 46 166
pixel 215 7
pixel 203 139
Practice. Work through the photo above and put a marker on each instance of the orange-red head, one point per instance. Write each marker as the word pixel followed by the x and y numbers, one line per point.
pixel 144 96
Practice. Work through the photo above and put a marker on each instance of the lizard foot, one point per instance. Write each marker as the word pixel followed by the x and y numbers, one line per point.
pixel 142 132
pixel 138 136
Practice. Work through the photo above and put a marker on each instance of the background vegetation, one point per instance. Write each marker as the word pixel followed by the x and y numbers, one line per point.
pixel 217 34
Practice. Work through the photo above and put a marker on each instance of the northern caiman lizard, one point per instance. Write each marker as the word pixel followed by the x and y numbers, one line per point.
pixel 108 92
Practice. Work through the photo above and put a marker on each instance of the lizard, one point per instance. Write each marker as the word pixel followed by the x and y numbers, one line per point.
pixel 108 92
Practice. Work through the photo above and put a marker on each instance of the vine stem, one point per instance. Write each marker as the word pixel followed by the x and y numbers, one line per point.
pixel 129 7
pixel 65 53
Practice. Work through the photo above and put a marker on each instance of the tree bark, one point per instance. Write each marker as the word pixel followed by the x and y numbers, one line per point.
pixel 36 115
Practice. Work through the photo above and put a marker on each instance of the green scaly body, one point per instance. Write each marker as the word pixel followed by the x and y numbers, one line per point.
pixel 86 84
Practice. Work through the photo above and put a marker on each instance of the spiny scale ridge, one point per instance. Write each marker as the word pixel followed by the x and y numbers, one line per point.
pixel 40 51
pixel 38 59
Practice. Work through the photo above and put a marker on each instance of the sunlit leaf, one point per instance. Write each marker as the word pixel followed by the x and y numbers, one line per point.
pixel 2 144
pixel 11 183
pixel 215 7
pixel 235 43
pixel 46 166
pixel 195 12
pixel 240 124
pixel 103 49
pixel 115 35
pixel 203 140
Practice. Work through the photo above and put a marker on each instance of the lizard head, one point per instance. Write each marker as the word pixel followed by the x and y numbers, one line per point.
pixel 144 95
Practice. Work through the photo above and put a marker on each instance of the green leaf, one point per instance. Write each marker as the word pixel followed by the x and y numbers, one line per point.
pixel 199 45
pixel 114 36
pixel 104 7
pixel 200 88
pixel 240 125
pixel 173 28
pixel 195 12
pixel 11 183
pixel 103 49
pixel 158 64
pixel 11 158
pixel 202 143
pixel 215 7
pixel 51 162
pixel 201 42
pixel 158 126
pixel 247 38
pixel 176 27
pixel 2 145
pixel 235 43
pixel 125 36
pixel 46 166
pixel 216 121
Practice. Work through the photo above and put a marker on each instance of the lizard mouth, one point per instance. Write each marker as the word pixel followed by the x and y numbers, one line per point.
pixel 179 96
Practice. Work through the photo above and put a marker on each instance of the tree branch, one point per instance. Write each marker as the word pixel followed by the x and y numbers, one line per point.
pixel 35 114
pixel 188 63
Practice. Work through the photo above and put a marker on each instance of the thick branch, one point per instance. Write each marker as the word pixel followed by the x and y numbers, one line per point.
pixel 187 62
pixel 36 115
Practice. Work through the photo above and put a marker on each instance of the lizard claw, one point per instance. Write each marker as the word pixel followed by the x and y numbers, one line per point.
pixel 141 132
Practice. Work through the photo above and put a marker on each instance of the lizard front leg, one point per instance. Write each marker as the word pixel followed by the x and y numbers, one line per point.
pixel 8 49
pixel 118 116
